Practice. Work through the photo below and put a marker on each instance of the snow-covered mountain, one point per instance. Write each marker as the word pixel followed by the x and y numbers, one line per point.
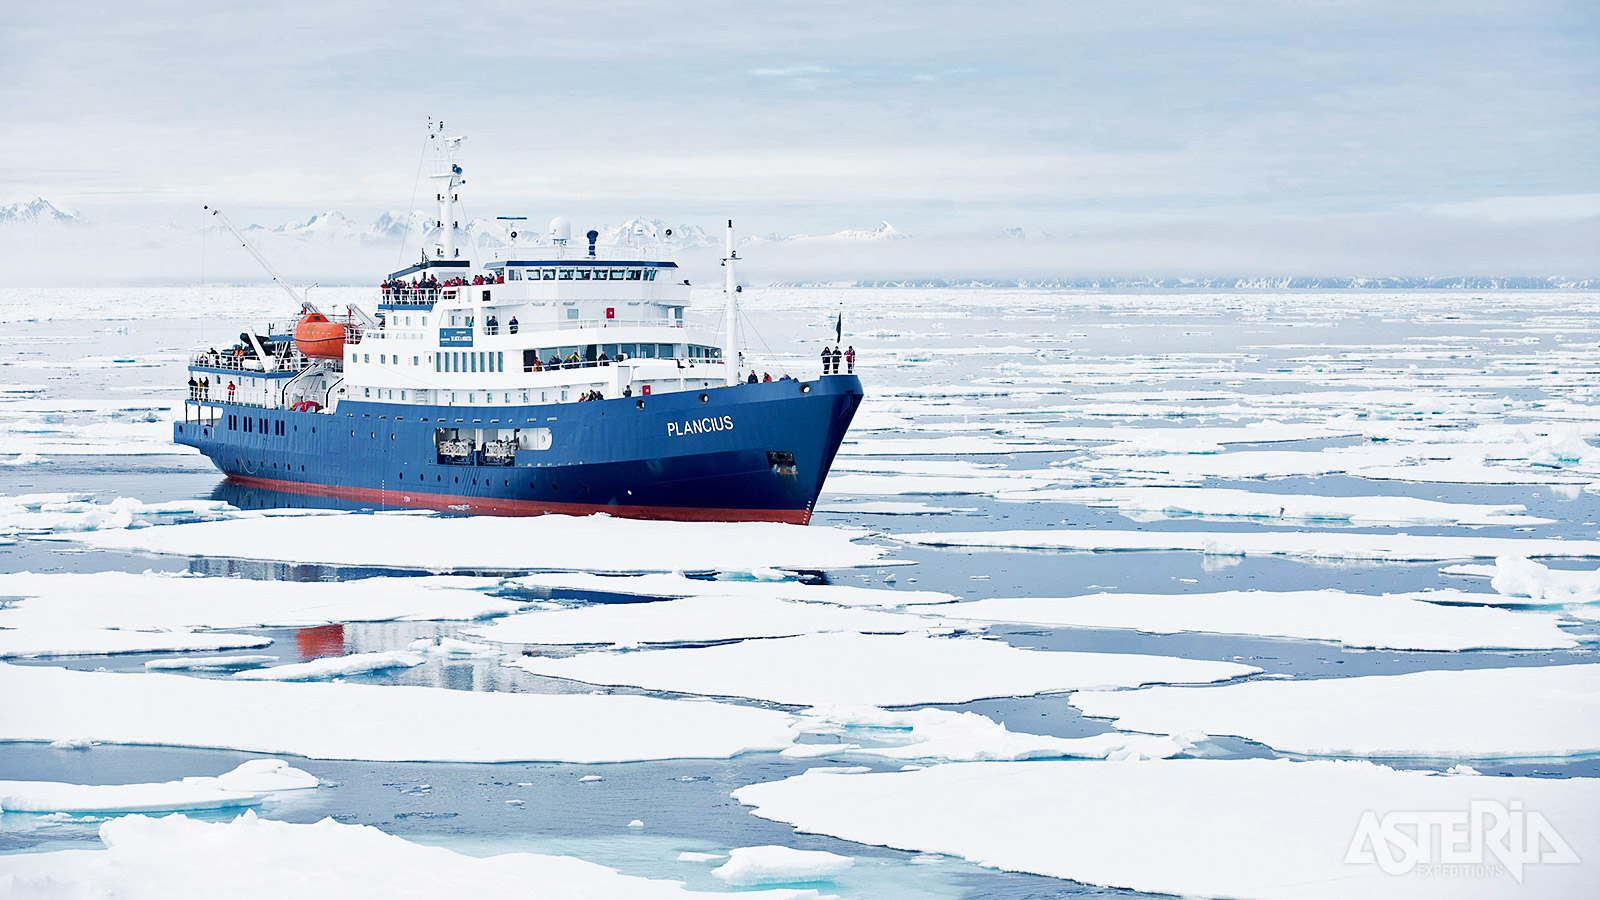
pixel 39 211
pixel 639 231
pixel 884 232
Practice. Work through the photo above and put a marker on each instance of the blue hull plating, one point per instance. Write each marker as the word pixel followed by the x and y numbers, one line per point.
pixel 671 455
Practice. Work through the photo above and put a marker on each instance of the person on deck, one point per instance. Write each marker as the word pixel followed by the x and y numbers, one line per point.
pixel 512 324
pixel 850 358
pixel 194 388
pixel 765 376
pixel 827 358
pixel 752 379
pixel 230 392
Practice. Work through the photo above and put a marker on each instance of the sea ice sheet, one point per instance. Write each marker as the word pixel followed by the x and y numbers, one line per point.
pixel 1387 621
pixel 120 612
pixel 455 543
pixel 874 670
pixel 331 720
pixel 1316 545
pixel 250 858
pixel 1252 828
pixel 692 619
pixel 248 784
pixel 1469 714
pixel 1224 502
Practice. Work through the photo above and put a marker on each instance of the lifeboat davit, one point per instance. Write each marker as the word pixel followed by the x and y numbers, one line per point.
pixel 319 338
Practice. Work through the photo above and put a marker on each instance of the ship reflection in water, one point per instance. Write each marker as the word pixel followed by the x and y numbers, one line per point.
pixel 245 497
pixel 319 641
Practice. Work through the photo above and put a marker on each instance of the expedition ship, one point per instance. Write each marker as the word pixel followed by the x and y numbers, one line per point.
pixel 546 377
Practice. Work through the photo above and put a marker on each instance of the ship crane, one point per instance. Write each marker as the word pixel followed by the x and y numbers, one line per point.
pixel 317 336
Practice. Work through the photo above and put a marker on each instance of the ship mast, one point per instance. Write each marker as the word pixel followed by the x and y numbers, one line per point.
pixel 448 174
pixel 730 351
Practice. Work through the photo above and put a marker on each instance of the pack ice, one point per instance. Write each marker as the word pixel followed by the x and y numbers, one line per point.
pixel 1470 714
pixel 874 670
pixel 250 858
pixel 1251 828
pixel 120 612
pixel 1318 545
pixel 334 720
pixel 1388 621
pixel 248 784
pixel 597 543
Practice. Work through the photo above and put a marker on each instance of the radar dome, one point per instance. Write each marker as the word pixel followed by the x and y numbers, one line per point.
pixel 560 229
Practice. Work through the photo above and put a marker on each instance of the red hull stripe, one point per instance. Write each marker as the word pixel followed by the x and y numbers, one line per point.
pixel 498 507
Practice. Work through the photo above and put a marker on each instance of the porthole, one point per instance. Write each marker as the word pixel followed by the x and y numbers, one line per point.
pixel 705 398
pixel 638 404
pixel 805 388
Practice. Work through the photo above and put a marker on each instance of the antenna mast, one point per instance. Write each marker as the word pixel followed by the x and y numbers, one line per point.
pixel 448 171
pixel 259 258
pixel 730 353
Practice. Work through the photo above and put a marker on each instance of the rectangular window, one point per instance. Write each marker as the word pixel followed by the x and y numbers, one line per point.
pixel 548 274
pixel 566 275
pixel 416 361
pixel 513 274
pixel 424 321
pixel 368 390
pixel 402 395
pixel 383 359
pixel 616 274
pixel 649 274
pixel 366 357
pixel 585 274
pixel 664 351
pixel 633 274
pixel 472 362
pixel 499 361
pixel 572 313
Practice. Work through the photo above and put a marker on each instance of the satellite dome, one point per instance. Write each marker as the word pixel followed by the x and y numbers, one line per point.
pixel 560 229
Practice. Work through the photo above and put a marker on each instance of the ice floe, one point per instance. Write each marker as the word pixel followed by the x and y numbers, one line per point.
pixel 938 734
pixel 1387 621
pixel 209 663
pixel 749 866
pixel 66 512
pixel 1470 714
pixel 1252 828
pixel 1521 578
pixel 1315 545
pixel 120 612
pixel 336 666
pixel 456 543
pixel 343 720
pixel 23 436
pixel 780 587
pixel 250 858
pixel 246 785
pixel 874 670
pixel 691 619
pixel 1170 502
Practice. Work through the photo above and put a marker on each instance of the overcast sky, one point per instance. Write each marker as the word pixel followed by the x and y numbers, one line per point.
pixel 1146 136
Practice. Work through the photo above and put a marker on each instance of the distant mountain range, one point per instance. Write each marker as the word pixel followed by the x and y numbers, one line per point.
pixel 329 241
pixel 39 211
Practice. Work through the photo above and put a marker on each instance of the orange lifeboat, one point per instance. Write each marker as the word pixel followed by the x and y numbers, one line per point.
pixel 319 338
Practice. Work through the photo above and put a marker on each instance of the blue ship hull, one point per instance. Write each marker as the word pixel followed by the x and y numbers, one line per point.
pixel 754 452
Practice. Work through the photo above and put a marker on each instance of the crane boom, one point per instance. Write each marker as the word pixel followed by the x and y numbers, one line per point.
pixel 278 279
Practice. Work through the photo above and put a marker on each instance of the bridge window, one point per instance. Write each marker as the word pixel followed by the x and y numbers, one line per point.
pixel 649 274
pixel 565 275
pixel 616 274
pixel 585 274
pixel 547 274
pixel 513 274
pixel 633 274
